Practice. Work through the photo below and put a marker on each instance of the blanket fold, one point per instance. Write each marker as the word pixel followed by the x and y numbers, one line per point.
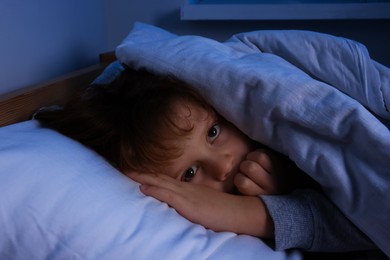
pixel 340 62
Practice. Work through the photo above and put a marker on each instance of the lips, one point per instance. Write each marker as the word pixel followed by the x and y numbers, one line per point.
pixel 228 184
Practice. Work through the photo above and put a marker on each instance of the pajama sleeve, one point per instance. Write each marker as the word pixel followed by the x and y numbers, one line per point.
pixel 305 219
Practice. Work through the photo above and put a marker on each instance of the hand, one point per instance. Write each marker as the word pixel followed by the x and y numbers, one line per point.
pixel 266 172
pixel 212 209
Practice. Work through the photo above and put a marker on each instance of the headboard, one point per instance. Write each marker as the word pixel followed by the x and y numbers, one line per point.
pixel 20 105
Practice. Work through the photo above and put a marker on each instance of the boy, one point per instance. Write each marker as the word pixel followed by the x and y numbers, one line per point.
pixel 162 133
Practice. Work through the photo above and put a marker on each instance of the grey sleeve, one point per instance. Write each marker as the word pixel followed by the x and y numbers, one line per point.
pixel 305 219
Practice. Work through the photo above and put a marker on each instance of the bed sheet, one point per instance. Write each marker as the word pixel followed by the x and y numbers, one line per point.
pixel 317 98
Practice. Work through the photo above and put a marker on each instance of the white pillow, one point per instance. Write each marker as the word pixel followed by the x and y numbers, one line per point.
pixel 60 200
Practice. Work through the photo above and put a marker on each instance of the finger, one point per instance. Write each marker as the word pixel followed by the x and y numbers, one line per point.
pixel 171 197
pixel 146 178
pixel 157 186
pixel 135 176
pixel 246 186
pixel 152 179
pixel 257 174
pixel 192 205
pixel 262 157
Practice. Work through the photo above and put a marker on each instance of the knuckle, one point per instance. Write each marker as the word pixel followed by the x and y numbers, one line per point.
pixel 249 167
pixel 245 185
pixel 262 157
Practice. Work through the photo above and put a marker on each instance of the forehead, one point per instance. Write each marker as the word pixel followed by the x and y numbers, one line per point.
pixel 190 112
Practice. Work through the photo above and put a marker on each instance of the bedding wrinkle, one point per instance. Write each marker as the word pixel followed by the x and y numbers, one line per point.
pixel 361 71
pixel 37 235
pixel 384 83
pixel 343 63
pixel 54 242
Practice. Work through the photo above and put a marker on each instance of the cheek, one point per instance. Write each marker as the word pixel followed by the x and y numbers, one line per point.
pixel 243 144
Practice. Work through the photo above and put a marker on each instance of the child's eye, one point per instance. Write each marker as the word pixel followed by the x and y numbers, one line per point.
pixel 189 174
pixel 213 132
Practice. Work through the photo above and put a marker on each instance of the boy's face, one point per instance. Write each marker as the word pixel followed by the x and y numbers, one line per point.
pixel 212 152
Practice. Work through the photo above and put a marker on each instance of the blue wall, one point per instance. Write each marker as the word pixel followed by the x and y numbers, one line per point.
pixel 43 39
pixel 375 34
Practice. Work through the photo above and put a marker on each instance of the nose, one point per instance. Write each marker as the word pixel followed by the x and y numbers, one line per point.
pixel 221 166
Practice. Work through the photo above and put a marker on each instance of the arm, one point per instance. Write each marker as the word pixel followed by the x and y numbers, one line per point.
pixel 224 212
pixel 305 219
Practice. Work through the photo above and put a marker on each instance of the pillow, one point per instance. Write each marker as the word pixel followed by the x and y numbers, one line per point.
pixel 60 200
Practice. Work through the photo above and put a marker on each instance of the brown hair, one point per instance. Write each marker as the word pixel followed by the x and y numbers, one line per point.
pixel 128 121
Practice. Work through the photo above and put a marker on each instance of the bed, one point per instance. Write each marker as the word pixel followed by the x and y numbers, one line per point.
pixel 61 200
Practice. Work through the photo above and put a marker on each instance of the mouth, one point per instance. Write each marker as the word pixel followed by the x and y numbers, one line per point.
pixel 235 191
pixel 229 186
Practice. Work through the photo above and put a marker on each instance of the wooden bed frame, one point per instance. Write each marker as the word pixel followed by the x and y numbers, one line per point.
pixel 20 105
